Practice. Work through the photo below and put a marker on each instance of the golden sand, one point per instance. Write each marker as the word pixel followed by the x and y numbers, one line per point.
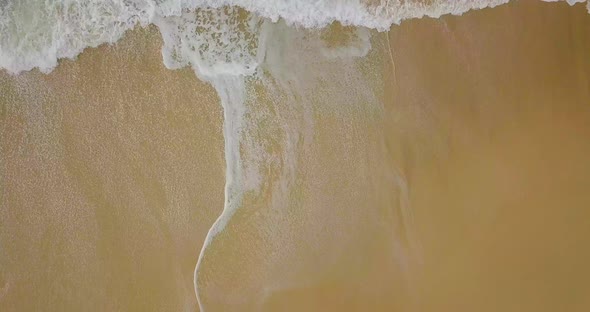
pixel 112 175
pixel 463 187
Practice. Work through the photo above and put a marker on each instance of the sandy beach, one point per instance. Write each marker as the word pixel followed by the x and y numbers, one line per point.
pixel 443 169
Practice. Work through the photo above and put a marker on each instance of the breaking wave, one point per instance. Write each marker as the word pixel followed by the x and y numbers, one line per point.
pixel 36 34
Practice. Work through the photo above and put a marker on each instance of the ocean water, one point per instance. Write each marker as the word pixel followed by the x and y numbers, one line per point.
pixel 340 155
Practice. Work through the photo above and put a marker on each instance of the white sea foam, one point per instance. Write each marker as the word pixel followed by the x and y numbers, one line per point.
pixel 36 33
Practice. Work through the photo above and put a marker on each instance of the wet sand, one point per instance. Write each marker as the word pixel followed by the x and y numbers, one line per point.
pixel 486 120
pixel 457 181
pixel 491 125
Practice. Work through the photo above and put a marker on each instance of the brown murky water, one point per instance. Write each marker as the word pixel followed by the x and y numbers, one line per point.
pixel 453 179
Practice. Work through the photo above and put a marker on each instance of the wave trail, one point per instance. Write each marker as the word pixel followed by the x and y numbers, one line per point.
pixel 221 45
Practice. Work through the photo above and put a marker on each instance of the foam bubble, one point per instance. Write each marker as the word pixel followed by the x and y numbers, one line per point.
pixel 215 42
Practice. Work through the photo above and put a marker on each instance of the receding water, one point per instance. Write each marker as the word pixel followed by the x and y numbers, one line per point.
pixel 294 155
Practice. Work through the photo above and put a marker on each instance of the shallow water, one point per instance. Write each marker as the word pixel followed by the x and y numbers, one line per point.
pixel 441 165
